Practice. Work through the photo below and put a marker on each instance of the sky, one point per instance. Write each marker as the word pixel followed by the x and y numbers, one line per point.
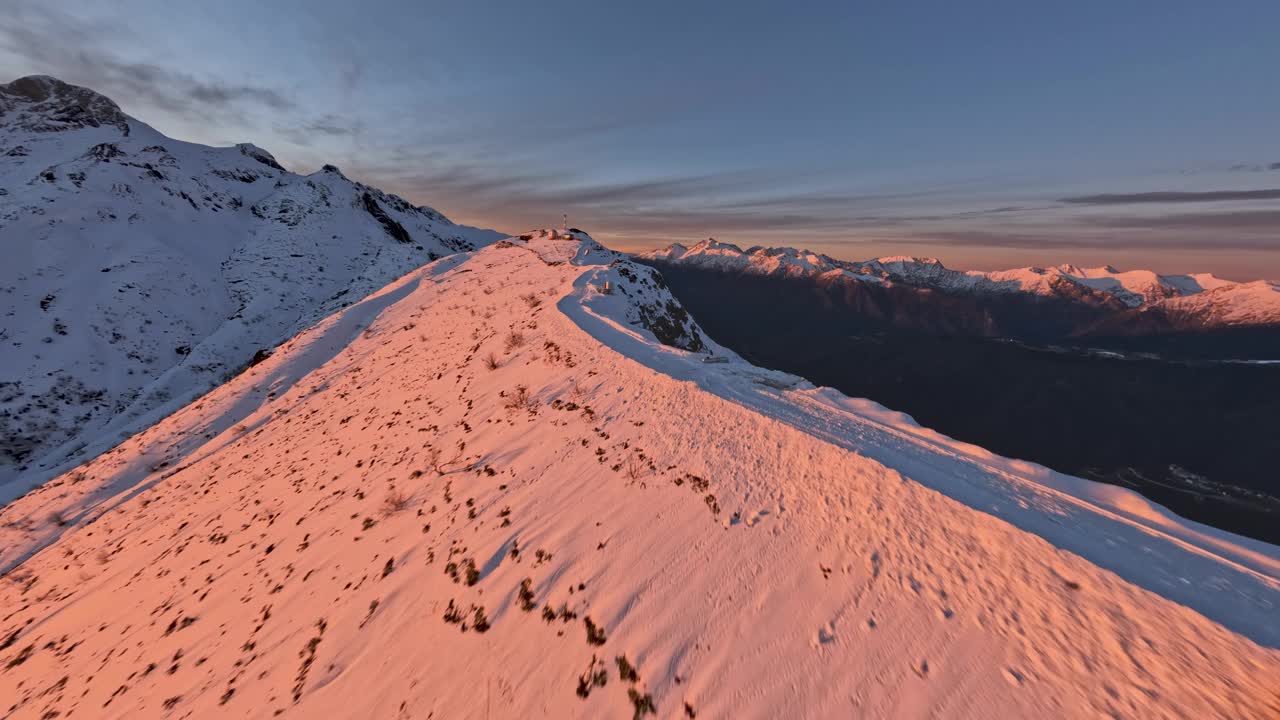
pixel 988 134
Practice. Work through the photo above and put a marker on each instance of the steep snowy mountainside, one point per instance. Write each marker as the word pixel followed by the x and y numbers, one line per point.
pixel 1104 287
pixel 141 270
pixel 1250 304
pixel 488 490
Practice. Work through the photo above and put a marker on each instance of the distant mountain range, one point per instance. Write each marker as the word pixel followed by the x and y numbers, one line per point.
pixel 1131 302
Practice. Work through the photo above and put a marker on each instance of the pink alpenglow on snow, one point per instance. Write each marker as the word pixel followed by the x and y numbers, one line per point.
pixel 508 485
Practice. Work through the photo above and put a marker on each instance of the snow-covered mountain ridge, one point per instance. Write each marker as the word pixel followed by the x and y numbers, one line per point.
pixel 141 270
pixel 489 490
pixel 1200 299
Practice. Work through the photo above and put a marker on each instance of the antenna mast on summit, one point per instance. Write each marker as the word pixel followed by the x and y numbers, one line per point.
pixel 564 221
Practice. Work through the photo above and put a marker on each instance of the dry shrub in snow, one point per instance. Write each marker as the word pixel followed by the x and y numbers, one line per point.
pixel 394 502
pixel 519 399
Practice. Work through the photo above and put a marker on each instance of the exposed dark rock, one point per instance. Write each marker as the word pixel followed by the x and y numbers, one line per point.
pixel 670 324
pixel 243 176
pixel 658 312
pixel 46 104
pixel 393 228
pixel 262 156
pixel 103 152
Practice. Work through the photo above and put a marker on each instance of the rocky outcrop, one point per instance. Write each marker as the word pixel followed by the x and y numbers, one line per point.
pixel 392 228
pixel 40 103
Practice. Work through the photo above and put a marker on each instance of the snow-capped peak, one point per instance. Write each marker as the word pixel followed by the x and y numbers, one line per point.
pixel 711 246
pixel 1229 305
pixel 1099 285
pixel 906 260
pixel 40 103
pixel 141 269
pixel 712 253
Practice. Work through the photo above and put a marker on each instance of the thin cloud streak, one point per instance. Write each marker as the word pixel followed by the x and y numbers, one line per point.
pixel 1173 197
pixel 1037 240
pixel 1267 220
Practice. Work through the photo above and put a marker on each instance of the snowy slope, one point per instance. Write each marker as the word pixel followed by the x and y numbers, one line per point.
pixel 478 490
pixel 1215 301
pixel 1252 303
pixel 140 270
pixel 1248 304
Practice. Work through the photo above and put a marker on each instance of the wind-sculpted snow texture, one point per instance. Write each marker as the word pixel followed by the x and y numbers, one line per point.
pixel 140 271
pixel 488 490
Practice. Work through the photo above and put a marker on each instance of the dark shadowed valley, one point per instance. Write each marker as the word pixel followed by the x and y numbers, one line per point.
pixel 1014 375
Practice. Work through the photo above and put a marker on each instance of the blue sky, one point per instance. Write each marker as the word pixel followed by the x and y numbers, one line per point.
pixel 984 133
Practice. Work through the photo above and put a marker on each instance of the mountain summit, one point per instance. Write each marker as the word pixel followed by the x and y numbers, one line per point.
pixel 141 271
pixel 39 103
